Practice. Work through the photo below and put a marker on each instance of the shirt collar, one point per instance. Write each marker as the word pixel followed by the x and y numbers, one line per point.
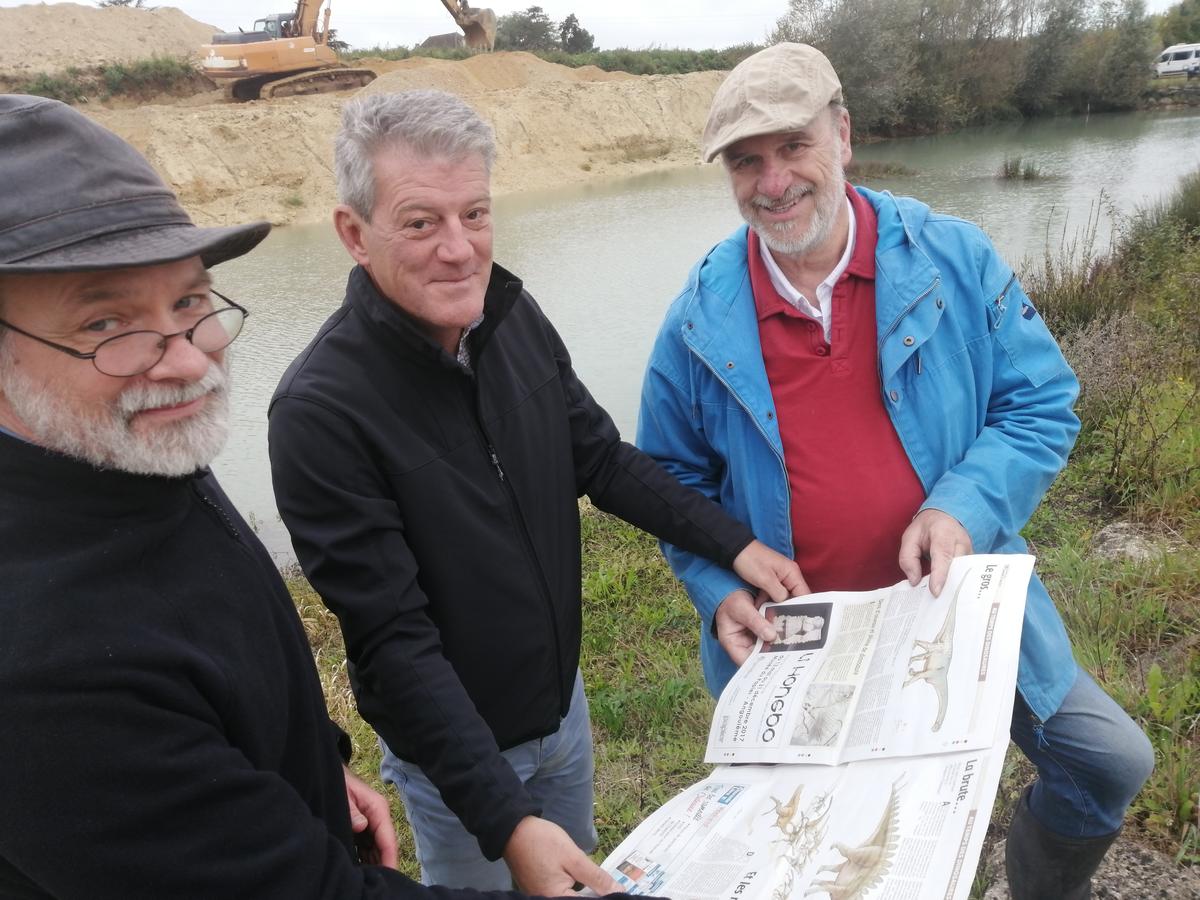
pixel 861 261
pixel 825 288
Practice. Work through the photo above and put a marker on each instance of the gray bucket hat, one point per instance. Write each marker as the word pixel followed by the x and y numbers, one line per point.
pixel 77 198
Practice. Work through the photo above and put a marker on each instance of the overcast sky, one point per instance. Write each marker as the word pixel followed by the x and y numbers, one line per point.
pixel 615 23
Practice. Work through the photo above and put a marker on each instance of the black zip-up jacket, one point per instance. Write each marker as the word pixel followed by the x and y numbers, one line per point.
pixel 435 509
pixel 162 728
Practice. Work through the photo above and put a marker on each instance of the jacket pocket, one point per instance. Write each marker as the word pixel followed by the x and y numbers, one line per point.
pixel 1020 329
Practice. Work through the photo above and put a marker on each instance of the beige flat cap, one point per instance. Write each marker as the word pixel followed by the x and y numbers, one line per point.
pixel 781 88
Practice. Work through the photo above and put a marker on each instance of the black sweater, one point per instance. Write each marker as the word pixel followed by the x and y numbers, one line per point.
pixel 162 728
pixel 435 509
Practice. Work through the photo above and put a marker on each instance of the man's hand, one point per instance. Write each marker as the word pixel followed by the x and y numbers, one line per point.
pixel 545 861
pixel 371 819
pixel 771 572
pixel 938 537
pixel 738 622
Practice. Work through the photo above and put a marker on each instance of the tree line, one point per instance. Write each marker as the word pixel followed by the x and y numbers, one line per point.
pixel 933 65
pixel 532 30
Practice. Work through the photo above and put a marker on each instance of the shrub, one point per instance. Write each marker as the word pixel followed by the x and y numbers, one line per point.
pixel 158 74
pixel 69 86
pixel 1134 404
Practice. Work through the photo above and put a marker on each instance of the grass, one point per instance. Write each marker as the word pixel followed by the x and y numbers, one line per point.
pixel 139 79
pixel 156 75
pixel 1134 625
pixel 69 86
pixel 1016 168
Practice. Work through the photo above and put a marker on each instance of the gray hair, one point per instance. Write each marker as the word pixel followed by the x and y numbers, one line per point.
pixel 429 123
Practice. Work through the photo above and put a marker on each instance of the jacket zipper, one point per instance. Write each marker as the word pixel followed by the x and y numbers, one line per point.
pixel 492 455
pixel 526 540
pixel 224 516
pixel 1001 309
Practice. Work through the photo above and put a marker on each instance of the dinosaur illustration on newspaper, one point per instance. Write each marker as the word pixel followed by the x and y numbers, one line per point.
pixel 801 833
pixel 864 866
pixel 930 661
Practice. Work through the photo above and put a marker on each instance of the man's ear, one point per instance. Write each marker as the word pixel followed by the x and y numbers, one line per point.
pixel 843 130
pixel 349 226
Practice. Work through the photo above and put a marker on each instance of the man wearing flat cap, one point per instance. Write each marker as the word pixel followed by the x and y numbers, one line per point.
pixel 863 382
pixel 164 732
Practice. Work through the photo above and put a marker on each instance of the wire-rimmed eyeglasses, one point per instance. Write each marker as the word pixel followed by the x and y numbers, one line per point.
pixel 135 352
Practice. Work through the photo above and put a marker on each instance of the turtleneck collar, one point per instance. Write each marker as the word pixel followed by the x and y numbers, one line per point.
pixel 35 475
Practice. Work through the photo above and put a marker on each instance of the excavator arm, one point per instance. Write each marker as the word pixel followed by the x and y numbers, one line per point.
pixel 305 22
pixel 479 25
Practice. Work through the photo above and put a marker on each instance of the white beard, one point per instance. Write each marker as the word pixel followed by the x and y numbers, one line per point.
pixel 105 437
pixel 826 205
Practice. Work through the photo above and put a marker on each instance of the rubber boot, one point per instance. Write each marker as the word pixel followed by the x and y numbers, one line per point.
pixel 1042 865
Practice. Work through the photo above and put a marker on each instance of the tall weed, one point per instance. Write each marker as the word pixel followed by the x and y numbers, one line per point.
pixel 1134 403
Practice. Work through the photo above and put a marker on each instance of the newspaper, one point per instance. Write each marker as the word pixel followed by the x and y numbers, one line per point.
pixel 893 708
pixel 876 829
pixel 893 672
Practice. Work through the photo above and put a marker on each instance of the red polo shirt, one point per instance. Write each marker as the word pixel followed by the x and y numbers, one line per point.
pixel 853 490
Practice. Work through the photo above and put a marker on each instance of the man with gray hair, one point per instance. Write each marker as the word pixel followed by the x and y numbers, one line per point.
pixel 428 451
pixel 874 370
pixel 164 731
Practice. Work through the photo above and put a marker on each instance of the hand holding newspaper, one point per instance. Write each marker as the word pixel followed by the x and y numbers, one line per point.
pixel 893 708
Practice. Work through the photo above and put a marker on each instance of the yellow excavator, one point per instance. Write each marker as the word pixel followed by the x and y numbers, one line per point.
pixel 283 55
pixel 287 53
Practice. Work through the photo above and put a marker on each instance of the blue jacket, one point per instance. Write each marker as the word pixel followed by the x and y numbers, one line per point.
pixel 976 387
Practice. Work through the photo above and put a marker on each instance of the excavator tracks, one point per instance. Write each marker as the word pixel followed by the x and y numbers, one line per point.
pixel 321 81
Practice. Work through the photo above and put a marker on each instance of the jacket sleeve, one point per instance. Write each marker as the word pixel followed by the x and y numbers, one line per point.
pixel 1029 425
pixel 671 432
pixel 121 783
pixel 350 540
pixel 623 480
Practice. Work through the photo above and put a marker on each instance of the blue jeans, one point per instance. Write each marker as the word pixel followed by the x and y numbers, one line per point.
pixel 1091 758
pixel 556 770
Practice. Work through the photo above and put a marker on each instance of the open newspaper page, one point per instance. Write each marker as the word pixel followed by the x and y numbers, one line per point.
pixel 888 829
pixel 886 673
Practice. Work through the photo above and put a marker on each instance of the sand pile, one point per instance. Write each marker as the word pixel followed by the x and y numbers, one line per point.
pixel 50 38
pixel 485 72
pixel 273 159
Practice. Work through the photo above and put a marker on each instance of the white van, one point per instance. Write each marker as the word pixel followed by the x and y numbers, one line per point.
pixel 1178 59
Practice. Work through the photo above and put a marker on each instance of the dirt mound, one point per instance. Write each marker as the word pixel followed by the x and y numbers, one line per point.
pixel 53 37
pixel 483 72
pixel 230 162
pixel 502 71
pixel 273 159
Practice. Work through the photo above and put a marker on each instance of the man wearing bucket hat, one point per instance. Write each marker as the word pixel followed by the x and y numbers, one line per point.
pixel 863 382
pixel 164 731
